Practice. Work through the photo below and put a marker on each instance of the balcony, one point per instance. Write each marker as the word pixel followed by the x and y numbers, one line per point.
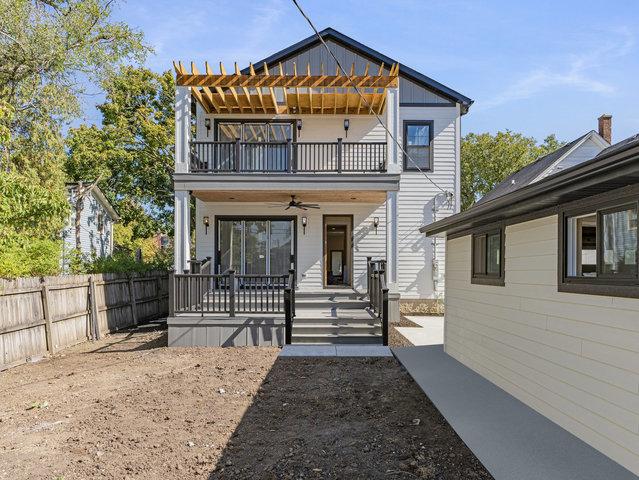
pixel 287 157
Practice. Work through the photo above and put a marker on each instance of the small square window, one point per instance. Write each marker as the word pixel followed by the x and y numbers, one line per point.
pixel 488 256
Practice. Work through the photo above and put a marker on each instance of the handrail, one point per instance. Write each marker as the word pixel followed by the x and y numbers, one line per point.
pixel 287 157
pixel 289 307
pixel 377 291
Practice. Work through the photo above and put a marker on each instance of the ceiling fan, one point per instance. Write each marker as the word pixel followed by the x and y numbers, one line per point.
pixel 296 204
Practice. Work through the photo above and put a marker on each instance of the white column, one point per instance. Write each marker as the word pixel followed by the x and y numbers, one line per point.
pixel 182 234
pixel 391 240
pixel 182 128
pixel 392 123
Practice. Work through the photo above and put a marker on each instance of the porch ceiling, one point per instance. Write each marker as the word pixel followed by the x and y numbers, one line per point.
pixel 285 196
pixel 287 94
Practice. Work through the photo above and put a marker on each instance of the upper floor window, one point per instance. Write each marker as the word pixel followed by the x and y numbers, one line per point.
pixel 488 257
pixel 598 251
pixel 418 139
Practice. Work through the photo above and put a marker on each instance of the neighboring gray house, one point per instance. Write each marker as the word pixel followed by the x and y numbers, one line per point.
pixel 96 225
pixel 542 294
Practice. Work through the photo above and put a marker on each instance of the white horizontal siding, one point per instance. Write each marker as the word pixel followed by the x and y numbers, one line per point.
pixel 574 358
pixel 366 242
pixel 586 151
pixel 415 205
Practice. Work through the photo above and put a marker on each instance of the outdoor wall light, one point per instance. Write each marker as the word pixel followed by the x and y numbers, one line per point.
pixel 304 223
pixel 207 124
pixel 298 124
pixel 205 220
pixel 376 223
pixel 347 124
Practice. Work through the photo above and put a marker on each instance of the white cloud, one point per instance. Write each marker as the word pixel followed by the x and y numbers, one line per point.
pixel 575 71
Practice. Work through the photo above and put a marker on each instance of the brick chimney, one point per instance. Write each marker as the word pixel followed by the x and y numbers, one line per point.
pixel 605 127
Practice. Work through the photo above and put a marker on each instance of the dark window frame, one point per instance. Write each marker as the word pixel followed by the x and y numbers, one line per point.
pixel 431 125
pixel 485 278
pixel 613 285
pixel 217 121
pixel 216 233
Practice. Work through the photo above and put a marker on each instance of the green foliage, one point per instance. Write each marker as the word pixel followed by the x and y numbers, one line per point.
pixel 488 159
pixel 132 152
pixel 25 256
pixel 119 262
pixel 51 51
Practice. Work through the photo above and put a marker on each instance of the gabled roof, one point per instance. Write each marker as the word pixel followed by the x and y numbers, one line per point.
pixel 536 170
pixel 99 196
pixel 332 34
pixel 615 167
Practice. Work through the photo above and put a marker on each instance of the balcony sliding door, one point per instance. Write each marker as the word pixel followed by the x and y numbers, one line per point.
pixel 256 246
pixel 263 146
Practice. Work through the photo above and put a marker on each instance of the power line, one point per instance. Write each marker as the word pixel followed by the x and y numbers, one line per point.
pixel 370 107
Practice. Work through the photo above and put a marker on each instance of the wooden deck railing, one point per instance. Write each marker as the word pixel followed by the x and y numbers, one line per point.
pixel 378 292
pixel 197 291
pixel 288 157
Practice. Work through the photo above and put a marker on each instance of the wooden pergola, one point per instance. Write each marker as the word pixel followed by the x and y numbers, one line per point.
pixel 303 93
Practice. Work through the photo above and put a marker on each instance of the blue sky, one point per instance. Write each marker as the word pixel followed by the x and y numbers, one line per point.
pixel 536 67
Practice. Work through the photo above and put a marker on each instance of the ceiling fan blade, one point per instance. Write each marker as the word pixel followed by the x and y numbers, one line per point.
pixel 309 205
pixel 312 206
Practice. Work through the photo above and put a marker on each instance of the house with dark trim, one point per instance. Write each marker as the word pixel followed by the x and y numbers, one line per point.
pixel 542 291
pixel 296 164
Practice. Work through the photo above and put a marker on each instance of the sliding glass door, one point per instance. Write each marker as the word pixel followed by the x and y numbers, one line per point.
pixel 256 246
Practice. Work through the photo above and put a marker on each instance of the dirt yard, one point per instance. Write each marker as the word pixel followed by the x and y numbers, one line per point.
pixel 129 408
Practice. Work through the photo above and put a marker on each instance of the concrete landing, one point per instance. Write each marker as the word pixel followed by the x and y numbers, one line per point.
pixel 512 440
pixel 430 330
pixel 335 351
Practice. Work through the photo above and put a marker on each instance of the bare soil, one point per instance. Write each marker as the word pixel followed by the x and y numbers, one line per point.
pixel 128 407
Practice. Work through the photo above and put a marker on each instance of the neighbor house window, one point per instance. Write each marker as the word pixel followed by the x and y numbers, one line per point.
pixel 418 140
pixel 599 251
pixel 488 257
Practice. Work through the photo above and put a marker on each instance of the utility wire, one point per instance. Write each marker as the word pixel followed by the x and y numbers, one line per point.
pixel 370 107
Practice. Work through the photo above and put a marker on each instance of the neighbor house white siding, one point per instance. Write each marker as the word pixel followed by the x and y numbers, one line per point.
pixel 94 243
pixel 586 151
pixel 366 241
pixel 572 357
pixel 417 197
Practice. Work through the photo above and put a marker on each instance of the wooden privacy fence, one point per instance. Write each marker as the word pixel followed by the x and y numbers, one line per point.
pixel 45 315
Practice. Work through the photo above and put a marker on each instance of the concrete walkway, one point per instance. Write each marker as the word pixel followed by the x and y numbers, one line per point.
pixel 335 351
pixel 429 332
pixel 512 440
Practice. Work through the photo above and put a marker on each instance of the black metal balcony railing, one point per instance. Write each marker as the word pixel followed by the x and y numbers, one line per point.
pixel 287 157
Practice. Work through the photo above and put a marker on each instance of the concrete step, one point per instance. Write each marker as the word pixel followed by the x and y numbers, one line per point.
pixel 316 302
pixel 336 329
pixel 341 320
pixel 330 313
pixel 333 339
pixel 347 294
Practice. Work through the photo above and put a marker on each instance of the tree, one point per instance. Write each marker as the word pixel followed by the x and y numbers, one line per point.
pixel 51 51
pixel 488 159
pixel 132 151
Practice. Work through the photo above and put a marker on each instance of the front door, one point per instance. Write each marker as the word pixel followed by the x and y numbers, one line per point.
pixel 338 251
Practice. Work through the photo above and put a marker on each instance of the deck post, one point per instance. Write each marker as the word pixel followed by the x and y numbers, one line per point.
pixel 172 293
pixel 385 317
pixel 231 293
pixel 368 277
pixel 339 155
pixel 288 317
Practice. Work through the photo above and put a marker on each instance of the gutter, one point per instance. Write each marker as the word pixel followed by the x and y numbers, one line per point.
pixel 598 166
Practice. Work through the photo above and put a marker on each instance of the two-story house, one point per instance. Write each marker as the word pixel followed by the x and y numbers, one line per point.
pixel 298 164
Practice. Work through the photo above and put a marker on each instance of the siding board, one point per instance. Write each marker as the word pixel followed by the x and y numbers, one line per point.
pixel 572 357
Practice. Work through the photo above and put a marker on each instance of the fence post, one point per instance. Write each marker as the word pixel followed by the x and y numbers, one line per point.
pixel 231 293
pixel 238 150
pixel 339 155
pixel 171 293
pixel 385 317
pixel 134 312
pixel 95 327
pixel 47 317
